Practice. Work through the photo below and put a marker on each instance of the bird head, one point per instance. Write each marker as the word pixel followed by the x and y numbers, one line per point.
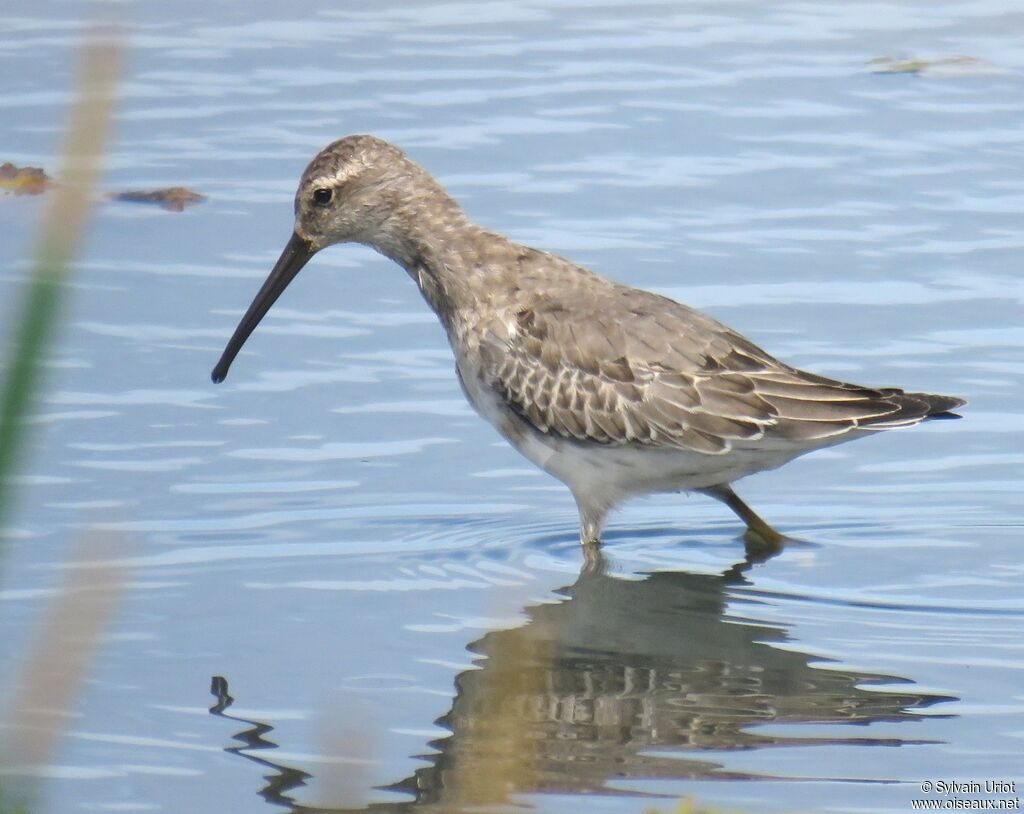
pixel 357 189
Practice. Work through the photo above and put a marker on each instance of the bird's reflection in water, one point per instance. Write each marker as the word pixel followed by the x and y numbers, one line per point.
pixel 624 679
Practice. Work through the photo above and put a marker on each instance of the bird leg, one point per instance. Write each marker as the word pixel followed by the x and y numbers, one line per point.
pixel 592 517
pixel 756 526
pixel 590 532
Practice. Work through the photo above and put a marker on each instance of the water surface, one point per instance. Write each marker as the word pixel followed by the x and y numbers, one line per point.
pixel 381 583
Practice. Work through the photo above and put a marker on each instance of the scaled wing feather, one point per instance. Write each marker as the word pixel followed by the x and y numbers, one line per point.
pixel 656 373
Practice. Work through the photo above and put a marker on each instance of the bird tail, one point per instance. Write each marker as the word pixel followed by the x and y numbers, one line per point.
pixel 915 407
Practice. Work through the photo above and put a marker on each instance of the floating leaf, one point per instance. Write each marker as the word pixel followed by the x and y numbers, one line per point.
pixel 940 68
pixel 23 180
pixel 173 199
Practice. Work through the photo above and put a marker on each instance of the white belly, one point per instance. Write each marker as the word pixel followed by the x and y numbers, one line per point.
pixel 607 474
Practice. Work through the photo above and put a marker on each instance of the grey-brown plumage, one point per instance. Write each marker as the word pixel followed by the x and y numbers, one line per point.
pixel 633 367
pixel 614 390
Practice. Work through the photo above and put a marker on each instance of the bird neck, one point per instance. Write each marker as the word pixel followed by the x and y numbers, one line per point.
pixel 439 248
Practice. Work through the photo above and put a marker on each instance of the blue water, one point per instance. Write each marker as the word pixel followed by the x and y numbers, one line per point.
pixel 374 573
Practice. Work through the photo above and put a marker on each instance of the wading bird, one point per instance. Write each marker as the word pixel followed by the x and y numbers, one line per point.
pixel 616 391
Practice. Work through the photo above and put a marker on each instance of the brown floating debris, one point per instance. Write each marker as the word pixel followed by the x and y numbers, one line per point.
pixel 173 199
pixel 940 68
pixel 23 180
pixel 35 181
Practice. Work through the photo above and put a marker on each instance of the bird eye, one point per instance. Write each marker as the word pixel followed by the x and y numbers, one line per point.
pixel 322 196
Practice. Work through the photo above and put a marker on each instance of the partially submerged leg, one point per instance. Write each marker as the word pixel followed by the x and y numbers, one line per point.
pixel 590 529
pixel 755 525
pixel 592 517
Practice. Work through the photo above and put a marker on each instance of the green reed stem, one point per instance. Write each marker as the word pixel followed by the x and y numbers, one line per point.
pixel 36 327
pixel 61 234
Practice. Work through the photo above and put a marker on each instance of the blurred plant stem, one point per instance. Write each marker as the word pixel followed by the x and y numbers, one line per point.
pixel 59 238
pixel 37 709
pixel 687 806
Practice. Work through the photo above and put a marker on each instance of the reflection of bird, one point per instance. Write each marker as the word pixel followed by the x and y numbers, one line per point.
pixel 641 679
pixel 614 390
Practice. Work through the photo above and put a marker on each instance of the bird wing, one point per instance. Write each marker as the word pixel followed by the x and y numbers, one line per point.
pixel 631 367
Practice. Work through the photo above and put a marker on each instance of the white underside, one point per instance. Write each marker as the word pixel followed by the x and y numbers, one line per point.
pixel 602 476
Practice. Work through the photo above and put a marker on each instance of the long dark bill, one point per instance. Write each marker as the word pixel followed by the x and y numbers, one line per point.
pixel 295 255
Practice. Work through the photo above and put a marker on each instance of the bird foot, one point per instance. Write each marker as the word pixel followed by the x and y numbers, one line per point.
pixel 763 544
pixel 764 536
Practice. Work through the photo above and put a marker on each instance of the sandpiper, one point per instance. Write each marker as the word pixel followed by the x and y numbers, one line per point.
pixel 616 391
